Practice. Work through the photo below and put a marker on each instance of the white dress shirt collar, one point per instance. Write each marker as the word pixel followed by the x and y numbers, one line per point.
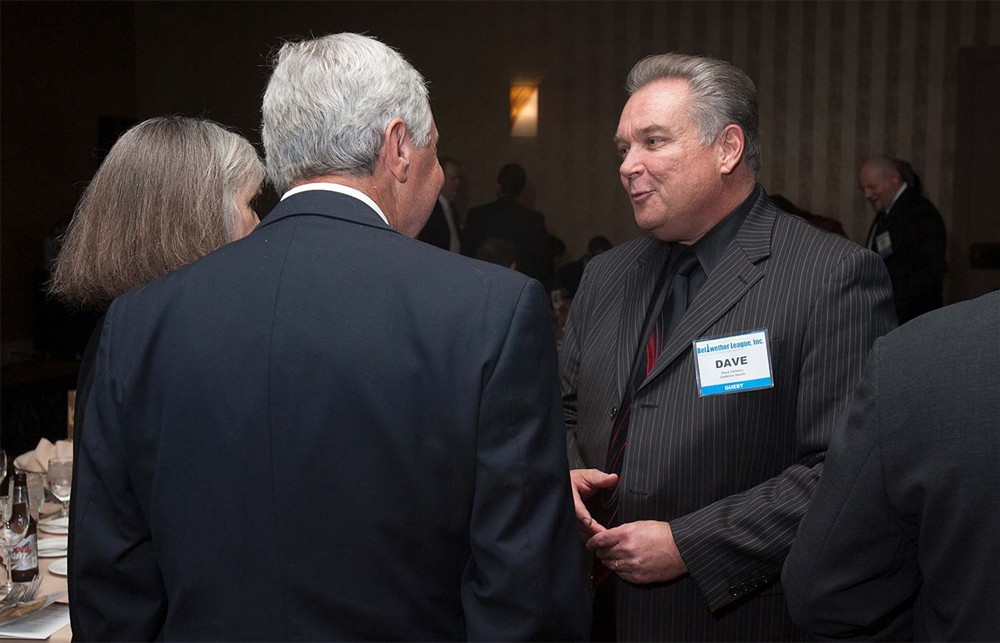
pixel 342 189
pixel 896 198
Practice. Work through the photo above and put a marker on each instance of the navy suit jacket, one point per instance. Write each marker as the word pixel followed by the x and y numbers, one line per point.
pixel 327 431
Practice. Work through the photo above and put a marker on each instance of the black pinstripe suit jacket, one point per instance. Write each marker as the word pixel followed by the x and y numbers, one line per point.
pixel 731 473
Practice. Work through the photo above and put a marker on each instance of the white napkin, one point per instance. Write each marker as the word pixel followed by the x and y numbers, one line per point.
pixel 52 545
pixel 37 460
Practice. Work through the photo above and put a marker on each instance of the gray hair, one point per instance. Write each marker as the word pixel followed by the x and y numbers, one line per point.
pixel 167 194
pixel 328 103
pixel 723 95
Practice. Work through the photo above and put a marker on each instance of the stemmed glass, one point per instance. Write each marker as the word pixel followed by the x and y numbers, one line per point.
pixel 12 532
pixel 60 477
pixel 3 466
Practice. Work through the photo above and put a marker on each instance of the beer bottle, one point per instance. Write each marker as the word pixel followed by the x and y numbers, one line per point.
pixel 24 558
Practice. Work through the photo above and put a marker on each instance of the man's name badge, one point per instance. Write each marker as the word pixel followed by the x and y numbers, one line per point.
pixel 733 364
pixel 884 244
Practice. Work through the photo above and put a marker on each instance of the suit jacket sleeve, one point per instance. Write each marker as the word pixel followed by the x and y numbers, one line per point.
pixel 524 580
pixel 119 592
pixel 569 369
pixel 852 569
pixel 737 545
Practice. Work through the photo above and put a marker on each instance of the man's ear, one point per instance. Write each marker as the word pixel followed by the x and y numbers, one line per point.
pixel 396 149
pixel 730 148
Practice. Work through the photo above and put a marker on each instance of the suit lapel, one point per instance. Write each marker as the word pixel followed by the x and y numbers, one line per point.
pixel 636 296
pixel 729 282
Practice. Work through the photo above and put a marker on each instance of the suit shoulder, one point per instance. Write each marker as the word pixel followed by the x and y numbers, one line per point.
pixel 794 229
pixel 619 257
pixel 449 268
pixel 972 323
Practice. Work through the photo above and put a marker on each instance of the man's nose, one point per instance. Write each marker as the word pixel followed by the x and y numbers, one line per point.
pixel 631 164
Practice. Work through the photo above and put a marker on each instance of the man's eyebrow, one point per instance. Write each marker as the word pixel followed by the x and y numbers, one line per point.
pixel 645 131
pixel 653 129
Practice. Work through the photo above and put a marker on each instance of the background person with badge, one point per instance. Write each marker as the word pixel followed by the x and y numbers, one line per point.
pixel 908 234
pixel 694 490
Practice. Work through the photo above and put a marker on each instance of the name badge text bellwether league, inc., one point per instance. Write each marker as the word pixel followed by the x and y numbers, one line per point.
pixel 733 364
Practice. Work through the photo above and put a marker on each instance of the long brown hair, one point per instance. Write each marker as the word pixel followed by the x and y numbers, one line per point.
pixel 166 195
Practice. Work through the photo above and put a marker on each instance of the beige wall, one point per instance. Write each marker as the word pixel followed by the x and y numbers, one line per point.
pixel 838 81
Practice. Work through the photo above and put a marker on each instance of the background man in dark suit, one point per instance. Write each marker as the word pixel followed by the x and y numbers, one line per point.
pixel 571 273
pixel 330 430
pixel 900 541
pixel 506 218
pixel 443 227
pixel 701 491
pixel 908 234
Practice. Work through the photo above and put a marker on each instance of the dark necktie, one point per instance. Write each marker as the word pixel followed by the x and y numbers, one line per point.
pixel 669 305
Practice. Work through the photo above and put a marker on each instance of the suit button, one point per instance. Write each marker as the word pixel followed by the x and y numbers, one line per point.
pixel 614 412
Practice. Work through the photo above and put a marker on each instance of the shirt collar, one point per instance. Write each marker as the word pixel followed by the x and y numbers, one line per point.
pixel 342 189
pixel 711 247
pixel 896 198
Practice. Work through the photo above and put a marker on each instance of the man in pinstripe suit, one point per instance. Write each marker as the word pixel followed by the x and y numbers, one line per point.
pixel 695 525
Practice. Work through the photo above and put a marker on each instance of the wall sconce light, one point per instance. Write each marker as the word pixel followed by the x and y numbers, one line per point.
pixel 524 110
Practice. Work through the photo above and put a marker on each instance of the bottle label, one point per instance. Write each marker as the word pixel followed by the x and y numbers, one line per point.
pixel 24 557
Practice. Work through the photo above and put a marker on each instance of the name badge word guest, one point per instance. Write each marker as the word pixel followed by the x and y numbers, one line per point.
pixel 733 364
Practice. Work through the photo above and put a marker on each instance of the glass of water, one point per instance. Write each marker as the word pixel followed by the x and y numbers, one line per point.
pixel 12 532
pixel 60 477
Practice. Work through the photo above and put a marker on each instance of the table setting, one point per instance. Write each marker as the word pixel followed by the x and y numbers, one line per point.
pixel 37 609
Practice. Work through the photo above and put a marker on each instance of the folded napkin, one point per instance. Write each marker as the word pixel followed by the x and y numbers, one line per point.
pixel 37 460
pixel 52 545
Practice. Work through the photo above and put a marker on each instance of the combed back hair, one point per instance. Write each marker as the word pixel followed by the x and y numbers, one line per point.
pixel 328 103
pixel 511 179
pixel 723 95
pixel 167 194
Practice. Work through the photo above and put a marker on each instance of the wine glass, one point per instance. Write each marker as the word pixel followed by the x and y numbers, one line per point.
pixel 60 477
pixel 36 493
pixel 12 532
pixel 3 466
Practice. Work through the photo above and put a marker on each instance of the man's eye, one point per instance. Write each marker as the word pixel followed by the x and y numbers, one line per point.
pixel 622 151
pixel 653 141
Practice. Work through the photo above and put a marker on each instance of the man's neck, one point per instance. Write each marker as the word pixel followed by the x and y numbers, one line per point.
pixel 733 194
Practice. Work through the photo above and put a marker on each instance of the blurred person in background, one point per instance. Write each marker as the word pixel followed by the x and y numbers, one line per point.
pixel 571 273
pixel 909 234
pixel 508 218
pixel 444 226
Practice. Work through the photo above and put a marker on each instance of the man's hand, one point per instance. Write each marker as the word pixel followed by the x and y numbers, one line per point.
pixel 585 483
pixel 639 552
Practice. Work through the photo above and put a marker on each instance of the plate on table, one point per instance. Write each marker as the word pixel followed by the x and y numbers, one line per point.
pixel 54 525
pixel 52 547
pixel 60 567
